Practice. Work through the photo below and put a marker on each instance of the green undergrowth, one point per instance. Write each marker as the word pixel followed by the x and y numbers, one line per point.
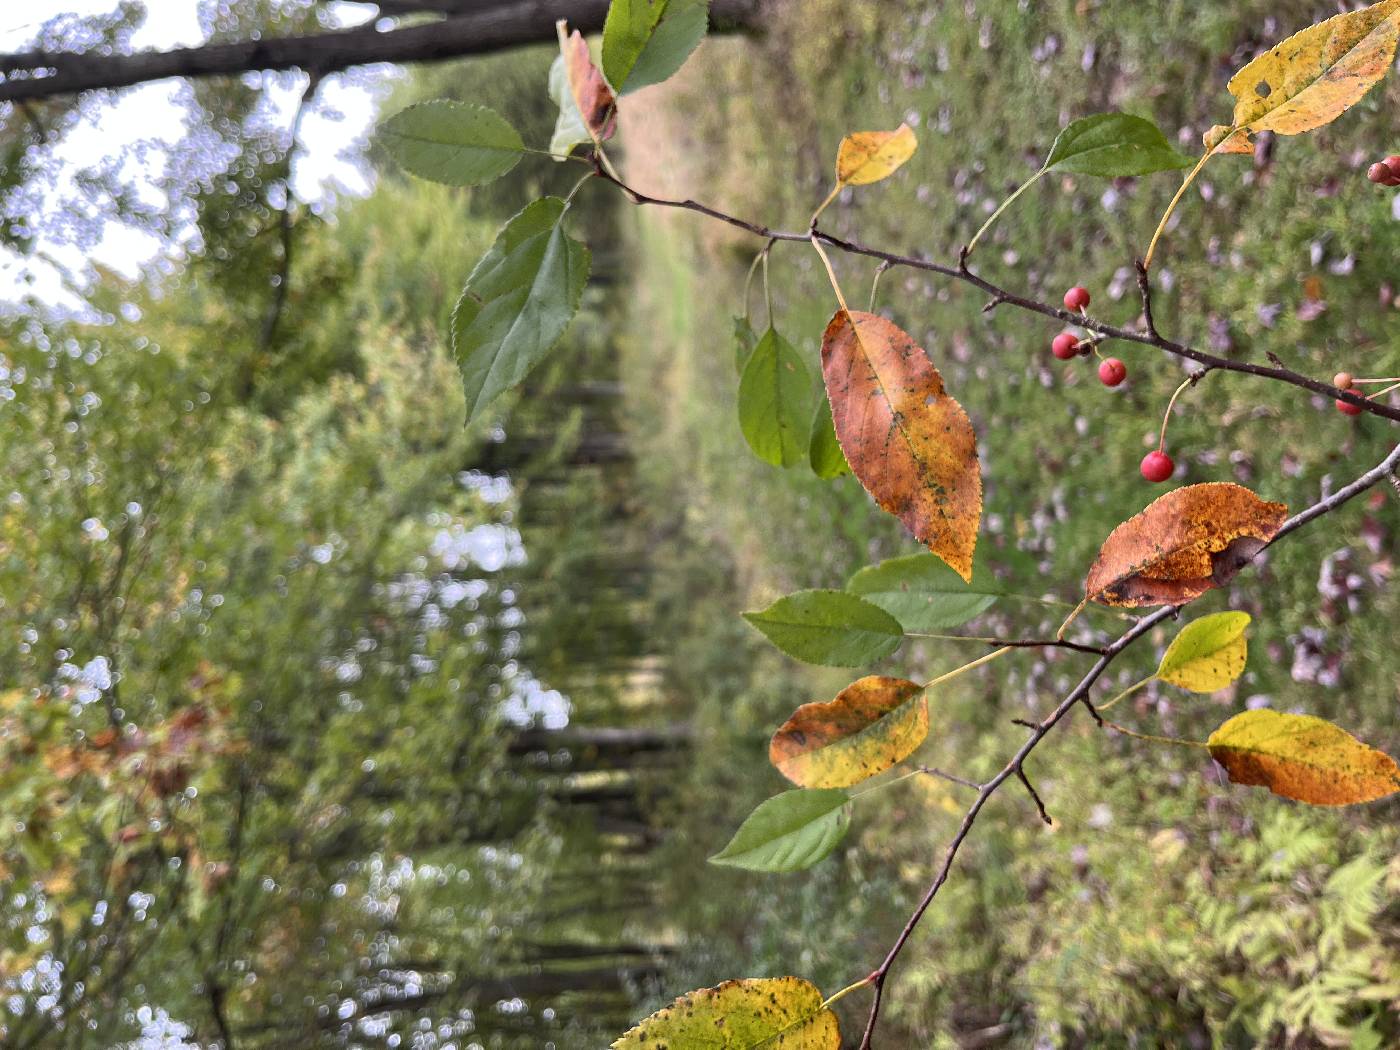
pixel 1164 908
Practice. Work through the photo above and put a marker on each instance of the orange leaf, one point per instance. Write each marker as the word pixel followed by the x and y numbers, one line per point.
pixel 1188 542
pixel 907 441
pixel 1221 139
pixel 592 95
pixel 1303 758
pixel 871 725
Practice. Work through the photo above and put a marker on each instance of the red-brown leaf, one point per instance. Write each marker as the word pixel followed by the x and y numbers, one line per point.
pixel 908 442
pixel 1188 542
pixel 591 93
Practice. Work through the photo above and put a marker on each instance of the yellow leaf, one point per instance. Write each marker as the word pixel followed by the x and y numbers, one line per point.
pixel 871 725
pixel 907 441
pixel 1316 75
pixel 1208 654
pixel 1303 758
pixel 869 156
pixel 741 1015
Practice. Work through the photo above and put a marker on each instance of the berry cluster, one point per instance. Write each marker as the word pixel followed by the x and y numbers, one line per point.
pixel 1156 465
pixel 1068 345
pixel 1385 172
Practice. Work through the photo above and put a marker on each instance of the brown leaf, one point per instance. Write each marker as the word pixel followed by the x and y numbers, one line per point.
pixel 1187 542
pixel 872 724
pixel 908 442
pixel 591 93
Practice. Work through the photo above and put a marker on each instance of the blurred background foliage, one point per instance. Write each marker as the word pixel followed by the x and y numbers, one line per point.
pixel 328 723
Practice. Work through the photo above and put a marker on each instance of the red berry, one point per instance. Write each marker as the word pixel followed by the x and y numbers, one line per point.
pixel 1077 298
pixel 1346 408
pixel 1157 466
pixel 1379 172
pixel 1112 371
pixel 1065 346
pixel 1393 163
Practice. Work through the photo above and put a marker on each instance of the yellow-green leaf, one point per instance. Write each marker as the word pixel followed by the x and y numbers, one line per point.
pixel 1208 654
pixel 1303 758
pixel 1316 75
pixel 869 156
pixel 872 724
pixel 767 1012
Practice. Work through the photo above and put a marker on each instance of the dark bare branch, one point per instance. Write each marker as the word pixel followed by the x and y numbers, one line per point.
pixel 494 28
pixel 960 272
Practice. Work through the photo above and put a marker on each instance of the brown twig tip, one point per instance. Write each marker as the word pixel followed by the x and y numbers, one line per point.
pixel 1035 797
pixel 1093 711
pixel 1145 289
pixel 993 303
pixel 963 253
pixel 1023 722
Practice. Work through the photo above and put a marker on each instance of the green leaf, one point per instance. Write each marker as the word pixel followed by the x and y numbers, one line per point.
pixel 775 401
pixel 823 450
pixel 1208 654
pixel 757 1012
pixel 745 339
pixel 455 143
pixel 789 832
pixel 646 41
pixel 829 627
pixel 570 129
pixel 517 302
pixel 1112 145
pixel 923 594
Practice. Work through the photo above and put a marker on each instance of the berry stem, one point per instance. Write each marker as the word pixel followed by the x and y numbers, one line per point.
pixel 1004 205
pixel 1167 415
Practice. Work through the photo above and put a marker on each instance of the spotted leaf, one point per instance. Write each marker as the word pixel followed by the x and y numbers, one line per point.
pixel 758 1012
pixel 872 724
pixel 1303 758
pixel 1184 544
pixel 906 439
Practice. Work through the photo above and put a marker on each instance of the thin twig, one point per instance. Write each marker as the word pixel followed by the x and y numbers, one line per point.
pixel 1078 695
pixel 1145 287
pixel 1035 797
pixel 961 272
pixel 931 771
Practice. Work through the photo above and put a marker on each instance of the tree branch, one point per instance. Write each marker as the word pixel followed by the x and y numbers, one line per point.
pixel 493 29
pixel 960 272
pixel 1080 694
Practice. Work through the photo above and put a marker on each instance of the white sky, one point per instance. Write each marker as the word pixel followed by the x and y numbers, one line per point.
pixel 150 114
